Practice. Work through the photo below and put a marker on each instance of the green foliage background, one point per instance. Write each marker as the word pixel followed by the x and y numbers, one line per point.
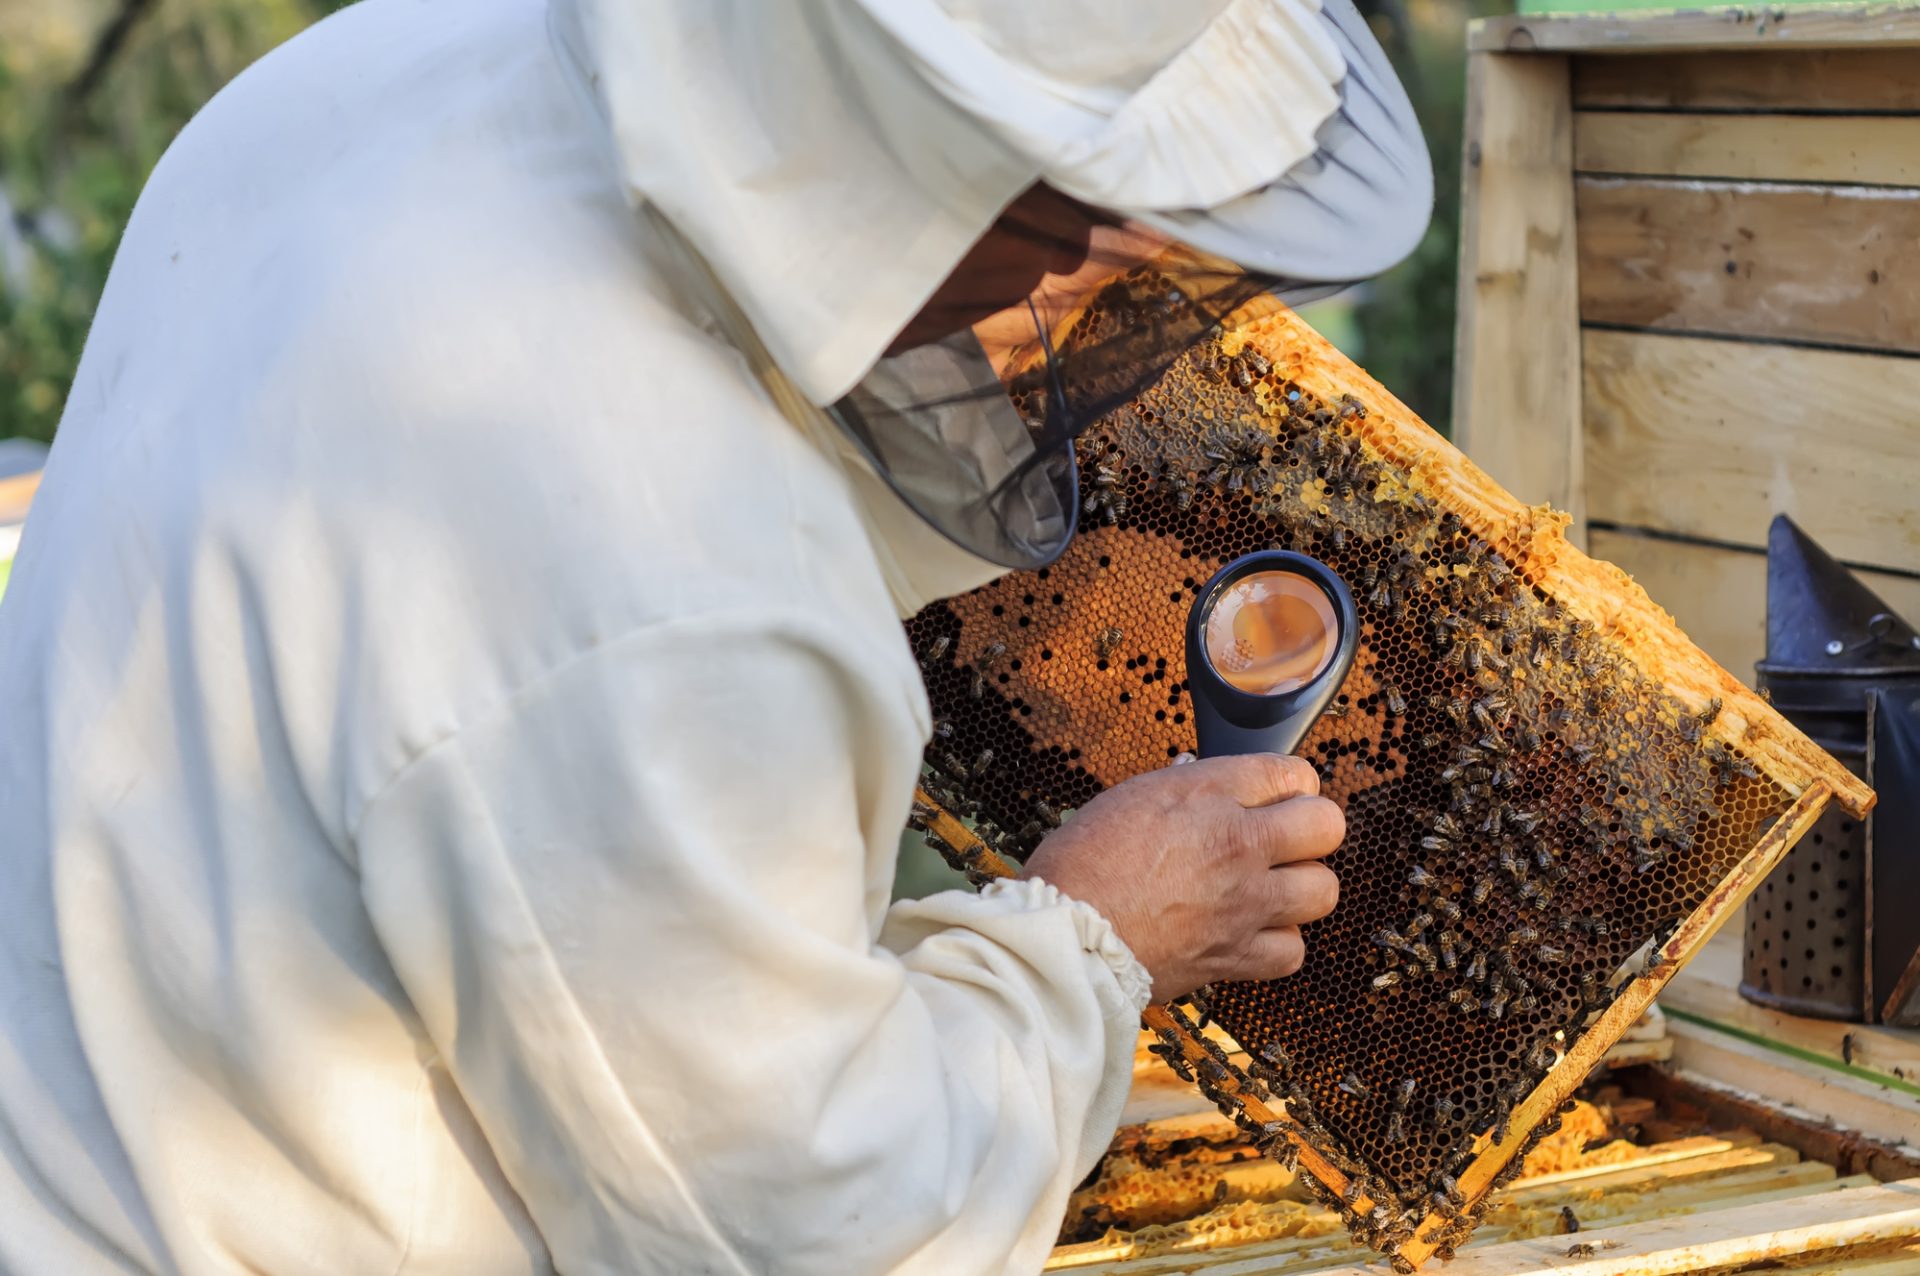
pixel 75 151
pixel 82 121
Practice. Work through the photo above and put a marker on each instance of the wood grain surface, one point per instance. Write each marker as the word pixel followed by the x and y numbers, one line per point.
pixel 1516 403
pixel 1841 80
pixel 1713 438
pixel 1831 264
pixel 1881 150
pixel 1733 27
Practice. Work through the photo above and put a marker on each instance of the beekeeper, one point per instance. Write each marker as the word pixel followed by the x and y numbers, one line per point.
pixel 455 724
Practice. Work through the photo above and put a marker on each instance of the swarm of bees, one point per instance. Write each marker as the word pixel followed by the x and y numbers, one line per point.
pixel 1526 810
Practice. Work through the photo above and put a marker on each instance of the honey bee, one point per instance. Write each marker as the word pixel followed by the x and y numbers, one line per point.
pixel 1396 1128
pixel 1707 715
pixel 1448 910
pixel 1108 641
pixel 1481 889
pixel 1421 879
pixel 1522 935
pixel 1424 955
pixel 1593 993
pixel 982 762
pixel 1551 955
pixel 1391 696
pixel 1497 1003
pixel 1337 710
pixel 1477 967
pixel 1353 1085
pixel 1434 842
pixel 1387 938
pixel 991 654
pixel 937 650
pixel 1591 1249
pixel 1385 980
pixel 1728 766
pixel 1492 711
pixel 1449 950
pixel 1049 816
pixel 977 688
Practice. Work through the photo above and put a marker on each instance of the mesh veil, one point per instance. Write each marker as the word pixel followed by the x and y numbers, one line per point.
pixel 974 427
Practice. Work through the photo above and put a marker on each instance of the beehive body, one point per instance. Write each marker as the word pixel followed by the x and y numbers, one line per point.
pixel 1540 775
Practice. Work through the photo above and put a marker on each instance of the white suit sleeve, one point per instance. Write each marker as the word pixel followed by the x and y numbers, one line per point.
pixel 632 907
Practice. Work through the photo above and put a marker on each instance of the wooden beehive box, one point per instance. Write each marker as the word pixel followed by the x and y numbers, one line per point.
pixel 1690 293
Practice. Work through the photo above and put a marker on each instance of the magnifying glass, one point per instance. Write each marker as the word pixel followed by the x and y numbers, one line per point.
pixel 1269 641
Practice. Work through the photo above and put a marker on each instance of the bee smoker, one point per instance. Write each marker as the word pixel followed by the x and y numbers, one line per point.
pixel 1832 932
pixel 1270 639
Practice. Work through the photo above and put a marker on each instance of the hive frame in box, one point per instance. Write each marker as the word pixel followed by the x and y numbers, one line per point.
pixel 1533 542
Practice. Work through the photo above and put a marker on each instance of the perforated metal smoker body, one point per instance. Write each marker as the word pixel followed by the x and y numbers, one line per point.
pixel 1541 774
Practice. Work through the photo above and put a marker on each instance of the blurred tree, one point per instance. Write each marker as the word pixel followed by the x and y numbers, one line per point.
pixel 82 125
pixel 78 135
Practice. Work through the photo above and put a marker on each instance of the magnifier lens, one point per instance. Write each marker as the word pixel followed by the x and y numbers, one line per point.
pixel 1271 632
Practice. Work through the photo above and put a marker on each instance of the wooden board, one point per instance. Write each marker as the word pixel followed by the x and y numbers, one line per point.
pixel 1826 264
pixel 1759 27
pixel 1839 80
pixel 1516 407
pixel 1809 1092
pixel 1709 989
pixel 1713 438
pixel 1878 150
pixel 1857 1216
pixel 1719 596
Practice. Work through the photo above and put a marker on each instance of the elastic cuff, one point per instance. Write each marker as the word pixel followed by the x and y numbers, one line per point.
pixel 1097 934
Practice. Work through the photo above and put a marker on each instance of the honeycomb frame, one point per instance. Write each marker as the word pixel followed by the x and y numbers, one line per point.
pixel 1531 543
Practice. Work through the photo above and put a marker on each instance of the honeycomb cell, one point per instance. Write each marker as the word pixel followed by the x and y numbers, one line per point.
pixel 1526 809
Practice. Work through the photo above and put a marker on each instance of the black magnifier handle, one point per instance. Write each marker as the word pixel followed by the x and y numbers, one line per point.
pixel 1269 641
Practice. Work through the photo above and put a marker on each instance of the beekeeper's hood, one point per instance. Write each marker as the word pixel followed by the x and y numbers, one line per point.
pixel 833 160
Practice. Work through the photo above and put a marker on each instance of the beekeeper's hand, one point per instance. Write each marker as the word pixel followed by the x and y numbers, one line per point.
pixel 1206 870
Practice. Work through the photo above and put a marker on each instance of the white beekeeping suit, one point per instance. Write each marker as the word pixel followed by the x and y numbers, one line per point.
pixel 454 728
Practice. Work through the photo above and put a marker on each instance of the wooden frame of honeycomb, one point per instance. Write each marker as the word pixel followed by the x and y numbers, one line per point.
pixel 1769 783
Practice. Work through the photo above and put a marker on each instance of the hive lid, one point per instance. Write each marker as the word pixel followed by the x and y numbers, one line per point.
pixel 1821 619
pixel 1893 852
